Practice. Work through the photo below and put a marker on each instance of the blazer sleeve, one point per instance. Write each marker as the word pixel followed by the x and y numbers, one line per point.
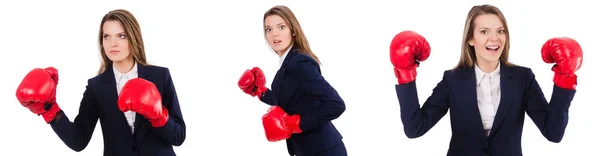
pixel 268 97
pixel 550 118
pixel 418 120
pixel 329 103
pixel 76 135
pixel 174 130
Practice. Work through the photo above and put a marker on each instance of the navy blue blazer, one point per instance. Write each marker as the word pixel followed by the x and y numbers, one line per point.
pixel 100 102
pixel 520 94
pixel 299 88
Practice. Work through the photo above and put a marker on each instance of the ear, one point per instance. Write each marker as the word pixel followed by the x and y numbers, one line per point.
pixel 471 42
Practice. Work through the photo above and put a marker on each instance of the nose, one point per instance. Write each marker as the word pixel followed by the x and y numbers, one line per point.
pixel 494 37
pixel 113 42
pixel 274 32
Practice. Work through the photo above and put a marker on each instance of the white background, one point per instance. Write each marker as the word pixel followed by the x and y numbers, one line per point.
pixel 218 40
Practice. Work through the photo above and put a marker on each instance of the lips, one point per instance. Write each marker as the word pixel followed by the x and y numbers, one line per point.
pixel 114 51
pixel 492 48
pixel 277 41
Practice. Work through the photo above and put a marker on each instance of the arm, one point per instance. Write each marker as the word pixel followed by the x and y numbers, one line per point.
pixel 268 97
pixel 174 130
pixel 331 105
pixel 76 135
pixel 550 118
pixel 417 121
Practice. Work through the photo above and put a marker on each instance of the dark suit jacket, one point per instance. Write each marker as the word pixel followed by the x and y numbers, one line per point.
pixel 299 88
pixel 520 94
pixel 100 102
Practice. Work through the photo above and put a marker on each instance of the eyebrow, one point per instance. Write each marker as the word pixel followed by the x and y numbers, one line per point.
pixel 103 33
pixel 276 24
pixel 489 28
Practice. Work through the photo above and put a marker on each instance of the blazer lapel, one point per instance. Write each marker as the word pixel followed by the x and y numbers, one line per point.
pixel 111 96
pixel 507 90
pixel 467 92
pixel 143 73
pixel 281 73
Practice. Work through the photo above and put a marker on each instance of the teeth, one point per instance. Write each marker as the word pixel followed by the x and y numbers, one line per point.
pixel 492 47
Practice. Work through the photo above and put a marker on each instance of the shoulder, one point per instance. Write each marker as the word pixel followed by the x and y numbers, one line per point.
pixel 450 73
pixel 520 69
pixel 155 69
pixel 298 59
pixel 522 73
pixel 302 57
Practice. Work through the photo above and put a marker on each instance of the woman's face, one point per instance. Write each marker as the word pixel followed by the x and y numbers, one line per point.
pixel 114 41
pixel 278 33
pixel 488 38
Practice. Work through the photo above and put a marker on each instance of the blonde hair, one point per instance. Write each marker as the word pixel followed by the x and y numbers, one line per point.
pixel 467 56
pixel 132 32
pixel 298 38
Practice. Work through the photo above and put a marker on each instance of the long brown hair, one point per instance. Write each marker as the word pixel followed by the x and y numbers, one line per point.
pixel 132 33
pixel 298 38
pixel 467 56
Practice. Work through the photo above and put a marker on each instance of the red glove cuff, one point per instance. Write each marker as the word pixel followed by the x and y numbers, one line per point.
pixel 565 81
pixel 405 75
pixel 293 123
pixel 260 90
pixel 50 114
pixel 162 120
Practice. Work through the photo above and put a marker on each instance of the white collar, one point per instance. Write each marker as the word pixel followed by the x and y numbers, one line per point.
pixel 132 73
pixel 479 73
pixel 282 58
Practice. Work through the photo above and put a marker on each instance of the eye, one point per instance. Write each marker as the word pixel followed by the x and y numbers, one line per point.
pixel 281 27
pixel 105 37
pixel 501 31
pixel 483 31
pixel 267 29
pixel 122 36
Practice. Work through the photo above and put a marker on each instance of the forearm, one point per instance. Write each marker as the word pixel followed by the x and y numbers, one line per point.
pixel 174 131
pixel 325 112
pixel 558 114
pixel 268 98
pixel 416 120
pixel 76 135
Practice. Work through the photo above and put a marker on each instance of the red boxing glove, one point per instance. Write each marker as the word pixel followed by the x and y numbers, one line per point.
pixel 253 82
pixel 37 92
pixel 568 56
pixel 279 125
pixel 142 97
pixel 406 50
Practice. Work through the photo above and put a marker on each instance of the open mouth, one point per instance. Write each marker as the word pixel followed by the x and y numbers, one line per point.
pixel 493 48
pixel 277 41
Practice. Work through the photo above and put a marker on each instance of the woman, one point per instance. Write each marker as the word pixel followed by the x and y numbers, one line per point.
pixel 303 102
pixel 487 95
pixel 126 96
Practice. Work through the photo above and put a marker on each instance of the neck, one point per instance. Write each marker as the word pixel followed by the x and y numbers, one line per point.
pixel 487 67
pixel 124 66
pixel 280 53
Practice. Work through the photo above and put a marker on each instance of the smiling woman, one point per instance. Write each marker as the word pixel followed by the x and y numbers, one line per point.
pixel 486 95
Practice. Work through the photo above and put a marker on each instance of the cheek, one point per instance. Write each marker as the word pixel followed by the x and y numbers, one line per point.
pixel 105 46
pixel 503 39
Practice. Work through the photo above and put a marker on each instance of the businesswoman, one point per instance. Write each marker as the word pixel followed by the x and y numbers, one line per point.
pixel 303 103
pixel 487 95
pixel 136 102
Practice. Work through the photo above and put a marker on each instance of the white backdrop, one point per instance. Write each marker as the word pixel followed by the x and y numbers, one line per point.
pixel 218 40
